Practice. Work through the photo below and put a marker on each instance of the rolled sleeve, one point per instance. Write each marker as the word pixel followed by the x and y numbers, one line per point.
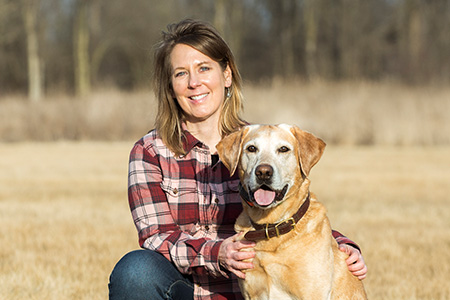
pixel 341 239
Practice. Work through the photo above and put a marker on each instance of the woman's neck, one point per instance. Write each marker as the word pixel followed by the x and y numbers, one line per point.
pixel 206 132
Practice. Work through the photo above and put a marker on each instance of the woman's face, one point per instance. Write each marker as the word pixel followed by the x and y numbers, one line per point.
pixel 198 83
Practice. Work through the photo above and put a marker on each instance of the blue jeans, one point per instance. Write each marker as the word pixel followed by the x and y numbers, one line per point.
pixel 145 274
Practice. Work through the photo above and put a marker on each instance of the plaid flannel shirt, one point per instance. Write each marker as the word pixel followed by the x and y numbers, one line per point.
pixel 183 207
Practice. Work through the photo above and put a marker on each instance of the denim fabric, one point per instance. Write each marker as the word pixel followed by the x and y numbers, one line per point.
pixel 145 274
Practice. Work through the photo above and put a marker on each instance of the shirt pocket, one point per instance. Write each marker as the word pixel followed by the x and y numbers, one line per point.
pixel 228 205
pixel 182 196
pixel 233 186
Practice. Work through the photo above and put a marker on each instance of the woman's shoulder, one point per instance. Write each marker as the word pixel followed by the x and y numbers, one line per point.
pixel 150 137
pixel 151 142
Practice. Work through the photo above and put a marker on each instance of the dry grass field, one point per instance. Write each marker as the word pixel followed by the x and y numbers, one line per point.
pixel 64 219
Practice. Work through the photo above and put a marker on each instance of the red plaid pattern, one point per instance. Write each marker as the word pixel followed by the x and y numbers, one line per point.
pixel 183 207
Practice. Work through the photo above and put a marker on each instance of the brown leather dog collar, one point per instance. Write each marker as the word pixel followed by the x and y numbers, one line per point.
pixel 269 231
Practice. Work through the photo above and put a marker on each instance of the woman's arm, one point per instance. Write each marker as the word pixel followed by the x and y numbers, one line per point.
pixel 153 219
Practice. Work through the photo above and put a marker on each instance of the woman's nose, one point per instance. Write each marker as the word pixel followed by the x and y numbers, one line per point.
pixel 194 81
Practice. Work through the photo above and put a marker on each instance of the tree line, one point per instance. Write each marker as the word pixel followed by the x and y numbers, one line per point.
pixel 76 45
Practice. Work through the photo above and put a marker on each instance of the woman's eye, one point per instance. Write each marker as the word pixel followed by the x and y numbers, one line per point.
pixel 252 148
pixel 179 74
pixel 283 149
pixel 204 68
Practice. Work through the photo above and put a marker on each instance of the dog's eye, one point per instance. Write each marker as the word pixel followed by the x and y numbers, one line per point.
pixel 252 148
pixel 283 149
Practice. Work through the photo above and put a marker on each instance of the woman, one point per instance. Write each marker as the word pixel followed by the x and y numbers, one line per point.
pixel 182 199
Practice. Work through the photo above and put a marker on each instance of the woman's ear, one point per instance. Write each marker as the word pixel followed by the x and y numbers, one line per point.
pixel 228 74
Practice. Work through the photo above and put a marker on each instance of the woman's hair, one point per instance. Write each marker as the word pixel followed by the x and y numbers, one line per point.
pixel 205 39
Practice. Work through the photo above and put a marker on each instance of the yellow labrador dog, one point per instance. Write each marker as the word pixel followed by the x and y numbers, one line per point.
pixel 296 255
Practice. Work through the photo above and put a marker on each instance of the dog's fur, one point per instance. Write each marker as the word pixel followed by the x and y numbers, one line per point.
pixel 306 262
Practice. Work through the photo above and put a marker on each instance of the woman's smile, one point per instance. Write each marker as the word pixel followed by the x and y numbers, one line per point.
pixel 198 98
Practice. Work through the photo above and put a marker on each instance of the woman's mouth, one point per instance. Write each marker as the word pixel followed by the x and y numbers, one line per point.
pixel 198 97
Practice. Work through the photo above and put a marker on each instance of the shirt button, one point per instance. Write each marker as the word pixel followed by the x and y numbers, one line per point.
pixel 175 191
pixel 207 228
pixel 216 200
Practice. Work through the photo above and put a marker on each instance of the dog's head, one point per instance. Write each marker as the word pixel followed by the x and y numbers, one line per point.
pixel 272 161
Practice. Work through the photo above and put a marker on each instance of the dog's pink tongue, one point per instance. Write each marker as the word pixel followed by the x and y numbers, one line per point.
pixel 264 197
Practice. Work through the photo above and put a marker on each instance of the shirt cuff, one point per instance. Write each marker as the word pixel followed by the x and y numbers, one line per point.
pixel 213 264
pixel 341 239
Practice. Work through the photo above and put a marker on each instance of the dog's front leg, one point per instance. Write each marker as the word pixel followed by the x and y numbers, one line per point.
pixel 256 284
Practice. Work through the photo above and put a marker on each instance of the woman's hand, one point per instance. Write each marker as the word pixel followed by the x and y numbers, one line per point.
pixel 233 259
pixel 355 261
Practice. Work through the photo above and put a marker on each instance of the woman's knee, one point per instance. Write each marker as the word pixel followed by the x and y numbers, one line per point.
pixel 141 273
pixel 133 276
pixel 134 265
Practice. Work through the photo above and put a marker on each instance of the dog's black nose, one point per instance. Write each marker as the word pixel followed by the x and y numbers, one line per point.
pixel 264 172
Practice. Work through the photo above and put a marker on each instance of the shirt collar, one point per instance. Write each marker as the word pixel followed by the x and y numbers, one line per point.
pixel 189 141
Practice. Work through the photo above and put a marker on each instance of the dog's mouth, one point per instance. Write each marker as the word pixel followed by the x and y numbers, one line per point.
pixel 265 196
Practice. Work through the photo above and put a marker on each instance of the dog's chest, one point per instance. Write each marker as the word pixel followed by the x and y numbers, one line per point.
pixel 273 290
pixel 276 293
pixel 274 273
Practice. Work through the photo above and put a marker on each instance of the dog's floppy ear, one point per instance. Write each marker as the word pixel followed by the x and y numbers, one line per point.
pixel 229 149
pixel 310 149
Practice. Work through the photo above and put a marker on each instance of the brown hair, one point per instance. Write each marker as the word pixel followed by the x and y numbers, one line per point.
pixel 204 38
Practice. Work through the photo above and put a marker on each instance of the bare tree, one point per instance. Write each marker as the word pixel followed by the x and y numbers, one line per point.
pixel 30 10
pixel 220 16
pixel 228 20
pixel 284 23
pixel 81 49
pixel 310 17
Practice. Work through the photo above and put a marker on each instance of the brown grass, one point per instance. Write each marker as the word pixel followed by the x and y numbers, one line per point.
pixel 106 115
pixel 351 113
pixel 64 219
pixel 356 113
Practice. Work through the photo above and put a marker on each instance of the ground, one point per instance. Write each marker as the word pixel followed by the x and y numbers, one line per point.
pixel 64 218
